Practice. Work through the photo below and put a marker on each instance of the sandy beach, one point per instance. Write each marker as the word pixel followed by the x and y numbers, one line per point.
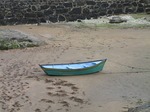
pixel 123 84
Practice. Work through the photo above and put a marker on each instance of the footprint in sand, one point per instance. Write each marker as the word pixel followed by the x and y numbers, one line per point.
pixel 64 94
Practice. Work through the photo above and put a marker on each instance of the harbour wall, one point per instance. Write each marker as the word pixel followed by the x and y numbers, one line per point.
pixel 14 12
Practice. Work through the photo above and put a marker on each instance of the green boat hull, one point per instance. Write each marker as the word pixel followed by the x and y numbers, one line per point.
pixel 67 72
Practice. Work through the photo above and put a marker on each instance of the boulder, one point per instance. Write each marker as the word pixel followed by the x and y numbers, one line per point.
pixel 117 19
pixel 147 19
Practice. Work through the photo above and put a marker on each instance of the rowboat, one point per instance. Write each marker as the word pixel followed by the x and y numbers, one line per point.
pixel 80 68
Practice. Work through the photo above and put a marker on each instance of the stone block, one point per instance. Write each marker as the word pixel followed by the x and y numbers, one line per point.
pixel 3 22
pixel 90 2
pixel 53 7
pixel 61 11
pixel 75 11
pixel 140 9
pixel 48 12
pixel 53 19
pixel 102 13
pixel 34 8
pixel 140 5
pixel 109 12
pixel 67 4
pixel 40 14
pixel 42 20
pixel 1 16
pixel 134 4
pixel 80 3
pixel 11 21
pixel 128 10
pixel 32 20
pixel 61 18
pixel 104 5
pixel 147 10
pixel 30 15
pixel 60 7
pixel 113 5
pixel 118 11
pixel 86 11
pixel 44 7
pixel 119 5
pixel 99 3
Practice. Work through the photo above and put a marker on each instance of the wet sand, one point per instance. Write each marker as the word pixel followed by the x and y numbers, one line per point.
pixel 123 84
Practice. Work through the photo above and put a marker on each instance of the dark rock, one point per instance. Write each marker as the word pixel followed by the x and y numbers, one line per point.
pixel 86 11
pixel 61 18
pixel 99 3
pixel 42 20
pixel 9 15
pixel 34 8
pixel 126 4
pixel 40 14
pixel 114 5
pixel 1 16
pixel 75 11
pixel 53 19
pixel 102 13
pixel 128 10
pixel 80 3
pixel 48 12
pixel 30 15
pixel 33 0
pixel 140 5
pixel 118 11
pixel 94 15
pixel 44 7
pixel 135 4
pixel 23 21
pixel 60 7
pixel 90 2
pixel 109 12
pixel 3 22
pixel 28 10
pixel 71 18
pixel 82 17
pixel 143 1
pixel 11 21
pixel 53 7
pixel 61 11
pixel 104 4
pixel 32 21
pixel 147 10
pixel 67 4
pixel 140 10
pixel 119 5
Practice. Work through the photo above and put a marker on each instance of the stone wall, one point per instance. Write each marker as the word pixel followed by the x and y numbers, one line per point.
pixel 37 11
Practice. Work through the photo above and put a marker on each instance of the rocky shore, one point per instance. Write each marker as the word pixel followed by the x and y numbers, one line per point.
pixel 10 39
